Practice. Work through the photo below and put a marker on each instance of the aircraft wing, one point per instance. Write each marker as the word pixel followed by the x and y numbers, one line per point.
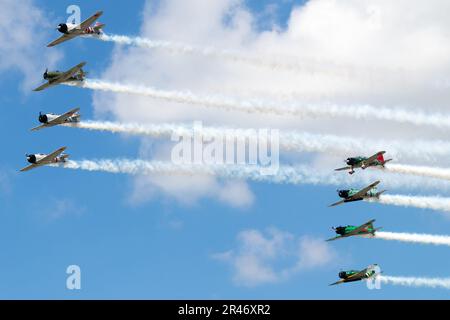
pixel 61 119
pixel 44 86
pixel 361 193
pixel 45 125
pixel 63 38
pixel 367 224
pixel 87 23
pixel 30 167
pixel 52 155
pixel 337 282
pixel 335 238
pixel 361 228
pixel 374 157
pixel 342 169
pixel 337 203
pixel 66 75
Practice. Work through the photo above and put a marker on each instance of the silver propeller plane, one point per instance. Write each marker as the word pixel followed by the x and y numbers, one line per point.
pixel 76 74
pixel 39 160
pixel 50 120
pixel 85 28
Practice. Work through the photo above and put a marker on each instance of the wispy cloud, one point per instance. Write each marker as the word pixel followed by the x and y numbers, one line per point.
pixel 22 41
pixel 56 209
pixel 273 256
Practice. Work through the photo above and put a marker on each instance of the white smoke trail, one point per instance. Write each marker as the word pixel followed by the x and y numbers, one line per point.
pixel 439 173
pixel 428 151
pixel 285 175
pixel 434 203
pixel 356 112
pixel 231 56
pixel 414 237
pixel 416 282
pixel 290 141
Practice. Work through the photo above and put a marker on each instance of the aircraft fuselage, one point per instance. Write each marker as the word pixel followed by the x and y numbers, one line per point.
pixel 46 118
pixel 348 193
pixel 35 158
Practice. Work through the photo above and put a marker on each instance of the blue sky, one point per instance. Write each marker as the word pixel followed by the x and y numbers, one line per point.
pixel 163 249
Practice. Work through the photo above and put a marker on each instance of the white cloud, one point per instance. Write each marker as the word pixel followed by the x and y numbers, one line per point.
pixel 23 41
pixel 186 189
pixel 354 52
pixel 59 208
pixel 274 256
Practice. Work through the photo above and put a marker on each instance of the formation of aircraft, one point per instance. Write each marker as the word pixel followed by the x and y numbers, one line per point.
pixel 357 275
pixel 53 78
pixel 364 230
pixel 39 160
pixel 71 31
pixel 50 120
pixel 351 195
pixel 377 160
pixel 75 74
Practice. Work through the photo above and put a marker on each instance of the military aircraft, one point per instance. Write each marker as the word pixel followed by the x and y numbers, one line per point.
pixel 39 160
pixel 355 275
pixel 71 31
pixel 366 229
pixel 50 120
pixel 351 195
pixel 377 160
pixel 76 74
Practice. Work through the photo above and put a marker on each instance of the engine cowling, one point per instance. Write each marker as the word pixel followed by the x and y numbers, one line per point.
pixel 63 28
pixel 340 230
pixel 31 158
pixel 343 193
pixel 43 118
pixel 343 275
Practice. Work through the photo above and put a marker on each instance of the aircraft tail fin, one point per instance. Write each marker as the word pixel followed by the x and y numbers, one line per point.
pixel 380 193
pixel 375 231
pixel 98 27
pixel 380 158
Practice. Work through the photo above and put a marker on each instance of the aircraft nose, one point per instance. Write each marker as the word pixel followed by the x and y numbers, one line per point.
pixel 342 193
pixel 31 158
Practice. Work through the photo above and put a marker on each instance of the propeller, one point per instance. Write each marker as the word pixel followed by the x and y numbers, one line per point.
pixel 46 74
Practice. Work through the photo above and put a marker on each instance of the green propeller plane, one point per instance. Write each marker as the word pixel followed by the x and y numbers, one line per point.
pixel 76 74
pixel 355 275
pixel 350 195
pixel 377 160
pixel 366 229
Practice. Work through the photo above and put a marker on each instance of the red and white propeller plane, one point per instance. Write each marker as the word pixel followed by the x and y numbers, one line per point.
pixel 85 28
pixel 39 160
